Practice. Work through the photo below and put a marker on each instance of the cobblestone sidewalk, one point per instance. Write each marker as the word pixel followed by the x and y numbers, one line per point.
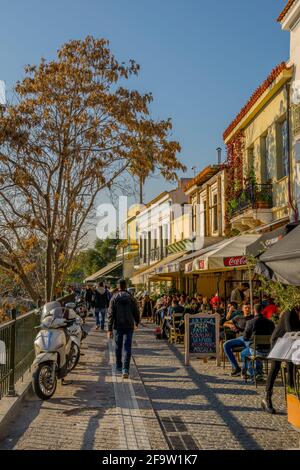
pixel 98 410
pixel 164 405
pixel 203 407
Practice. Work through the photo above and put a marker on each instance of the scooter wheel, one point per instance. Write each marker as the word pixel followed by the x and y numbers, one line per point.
pixel 43 385
pixel 74 357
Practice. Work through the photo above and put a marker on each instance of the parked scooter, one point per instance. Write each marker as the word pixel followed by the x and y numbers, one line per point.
pixel 57 351
pixel 77 328
pixel 80 307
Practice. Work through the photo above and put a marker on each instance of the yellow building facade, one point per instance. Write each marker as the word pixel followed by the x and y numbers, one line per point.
pixel 265 191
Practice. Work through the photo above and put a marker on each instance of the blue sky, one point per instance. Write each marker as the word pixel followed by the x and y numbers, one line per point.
pixel 200 59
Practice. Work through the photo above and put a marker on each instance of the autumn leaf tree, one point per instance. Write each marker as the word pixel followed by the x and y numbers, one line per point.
pixel 73 130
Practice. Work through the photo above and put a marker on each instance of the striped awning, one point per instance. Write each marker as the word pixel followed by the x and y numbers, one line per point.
pixel 177 247
pixel 104 271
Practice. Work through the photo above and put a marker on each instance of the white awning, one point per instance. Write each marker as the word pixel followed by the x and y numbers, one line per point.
pixel 158 268
pixel 180 263
pixel 167 264
pixel 104 271
pixel 230 254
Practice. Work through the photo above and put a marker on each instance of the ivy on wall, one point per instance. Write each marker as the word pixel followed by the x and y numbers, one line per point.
pixel 234 164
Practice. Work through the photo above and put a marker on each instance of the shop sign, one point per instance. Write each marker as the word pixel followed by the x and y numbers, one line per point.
pixel 159 270
pixel 235 261
pixel 200 264
pixel 272 241
pixel 189 267
pixel 202 337
pixel 173 268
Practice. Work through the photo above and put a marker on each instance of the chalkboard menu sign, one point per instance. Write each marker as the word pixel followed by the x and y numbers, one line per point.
pixel 202 336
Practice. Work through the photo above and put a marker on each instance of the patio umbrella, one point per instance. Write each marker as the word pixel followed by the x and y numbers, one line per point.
pixel 283 259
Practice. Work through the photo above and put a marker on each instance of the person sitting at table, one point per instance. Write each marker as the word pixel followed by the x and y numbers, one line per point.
pixel 237 325
pixel 238 294
pixel 193 307
pixel 215 301
pixel 199 300
pixel 146 308
pixel 162 310
pixel 221 311
pixel 205 305
pixel 182 300
pixel 174 308
pixel 232 311
pixel 270 310
pixel 259 325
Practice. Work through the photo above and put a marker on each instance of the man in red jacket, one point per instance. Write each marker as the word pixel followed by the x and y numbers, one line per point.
pixel 270 310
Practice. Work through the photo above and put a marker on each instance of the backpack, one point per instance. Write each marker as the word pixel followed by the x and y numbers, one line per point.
pixel 124 311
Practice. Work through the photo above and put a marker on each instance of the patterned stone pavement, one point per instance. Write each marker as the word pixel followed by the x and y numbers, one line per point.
pixel 203 407
pixel 98 410
pixel 164 405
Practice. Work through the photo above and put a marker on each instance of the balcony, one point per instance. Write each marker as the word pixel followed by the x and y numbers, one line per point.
pixel 127 252
pixel 139 261
pixel 296 119
pixel 155 254
pixel 252 207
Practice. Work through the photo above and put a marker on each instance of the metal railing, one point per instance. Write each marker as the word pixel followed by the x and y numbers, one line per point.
pixel 155 254
pixel 254 196
pixel 17 348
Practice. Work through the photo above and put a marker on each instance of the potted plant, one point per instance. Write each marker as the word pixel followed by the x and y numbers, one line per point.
pixel 263 200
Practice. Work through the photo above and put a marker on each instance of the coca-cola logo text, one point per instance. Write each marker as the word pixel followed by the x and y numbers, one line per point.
pixel 235 261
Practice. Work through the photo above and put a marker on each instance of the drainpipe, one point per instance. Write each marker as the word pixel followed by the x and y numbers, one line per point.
pixel 288 117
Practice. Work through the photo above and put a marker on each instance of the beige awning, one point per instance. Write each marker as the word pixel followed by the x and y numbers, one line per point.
pixel 167 266
pixel 140 275
pixel 104 271
pixel 231 254
pixel 143 275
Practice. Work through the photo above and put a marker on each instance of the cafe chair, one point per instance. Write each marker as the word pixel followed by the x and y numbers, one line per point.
pixel 228 334
pixel 258 340
pixel 175 331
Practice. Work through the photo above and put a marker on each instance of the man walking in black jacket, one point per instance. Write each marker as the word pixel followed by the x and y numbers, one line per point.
pixel 123 316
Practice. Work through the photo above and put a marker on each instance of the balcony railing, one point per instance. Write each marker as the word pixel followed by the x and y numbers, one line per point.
pixel 156 254
pixel 259 196
pixel 127 251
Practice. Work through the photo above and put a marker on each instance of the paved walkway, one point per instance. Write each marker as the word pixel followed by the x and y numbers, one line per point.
pixel 164 405
pixel 203 407
pixel 98 410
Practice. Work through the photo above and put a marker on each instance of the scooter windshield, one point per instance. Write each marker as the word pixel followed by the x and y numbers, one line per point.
pixel 56 312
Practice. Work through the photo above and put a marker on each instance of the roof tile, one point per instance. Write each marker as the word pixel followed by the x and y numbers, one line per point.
pixel 285 10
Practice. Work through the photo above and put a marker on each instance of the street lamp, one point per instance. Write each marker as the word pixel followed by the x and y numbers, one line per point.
pixel 194 168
